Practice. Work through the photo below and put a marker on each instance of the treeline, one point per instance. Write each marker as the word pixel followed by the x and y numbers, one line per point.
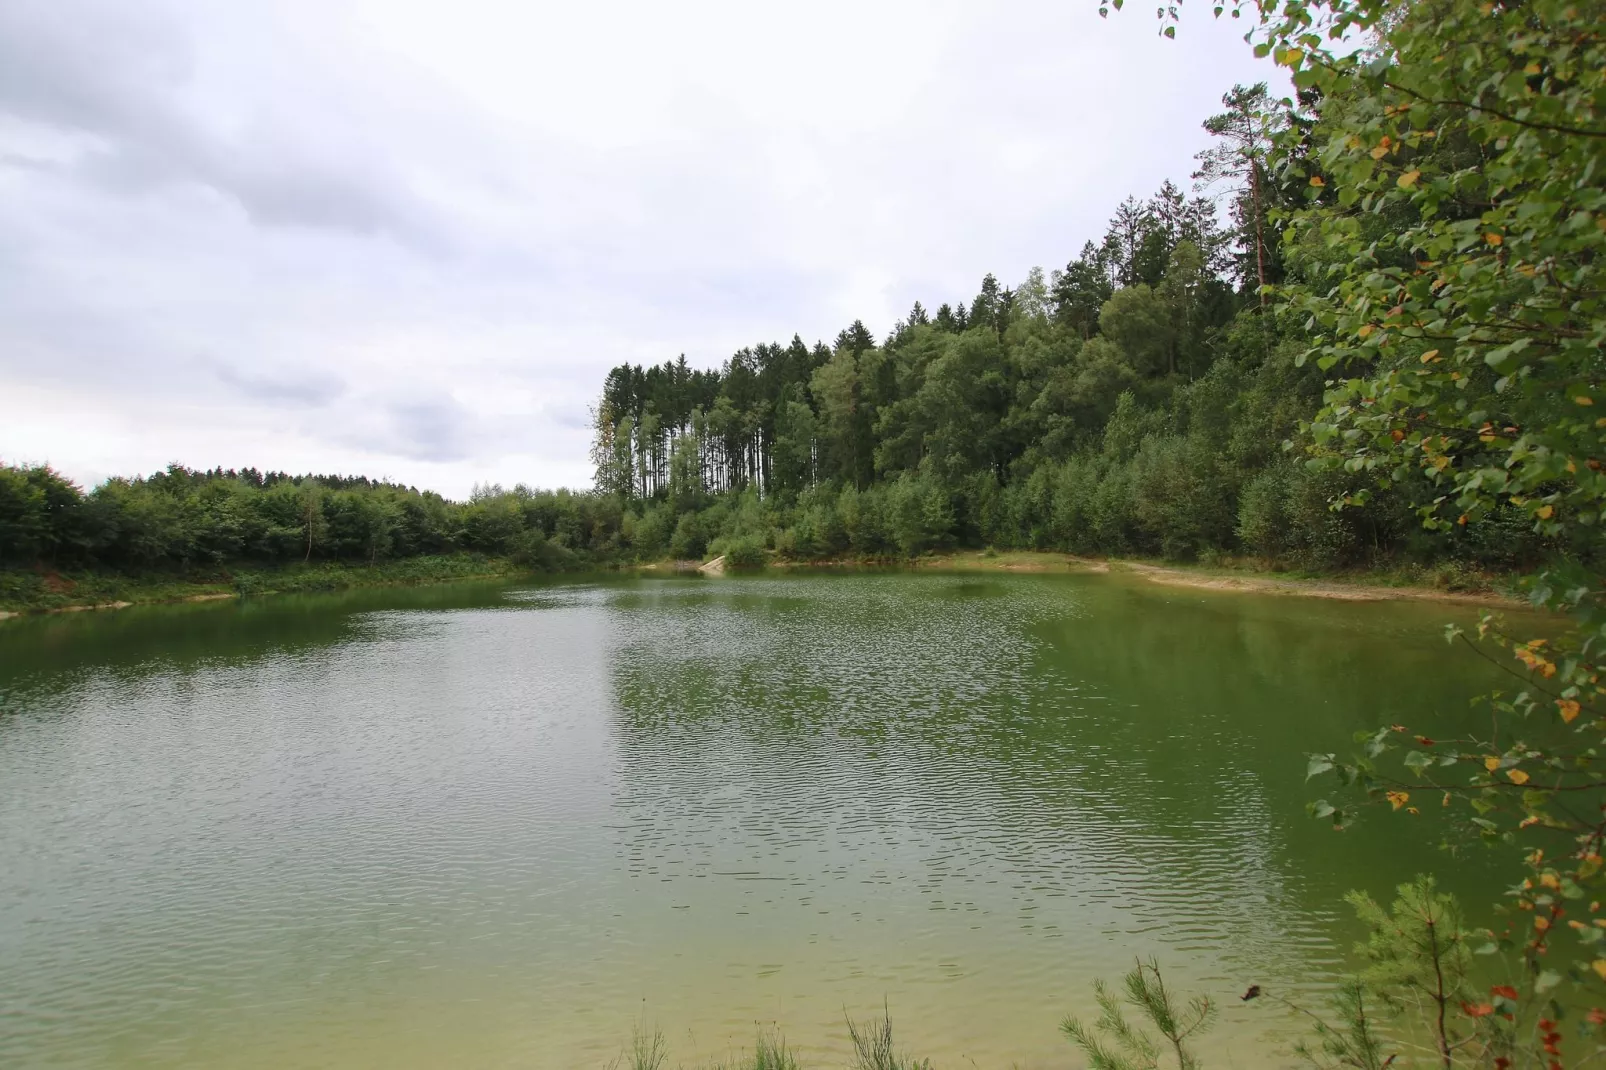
pixel 1142 400
pixel 181 518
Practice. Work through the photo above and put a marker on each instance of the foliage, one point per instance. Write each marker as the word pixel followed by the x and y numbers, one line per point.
pixel 1355 1041
pixel 1112 1042
pixel 1419 962
pixel 745 552
pixel 31 589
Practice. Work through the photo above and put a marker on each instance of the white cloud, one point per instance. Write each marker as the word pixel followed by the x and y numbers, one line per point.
pixel 409 239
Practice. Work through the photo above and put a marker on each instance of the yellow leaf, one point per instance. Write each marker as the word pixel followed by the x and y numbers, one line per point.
pixel 1316 180
pixel 1491 763
pixel 1380 152
pixel 1545 512
pixel 1583 399
pixel 1541 923
pixel 1517 776
pixel 1599 966
pixel 1492 238
pixel 1569 709
pixel 1407 180
pixel 1366 329
pixel 1398 799
pixel 1430 356
pixel 1532 68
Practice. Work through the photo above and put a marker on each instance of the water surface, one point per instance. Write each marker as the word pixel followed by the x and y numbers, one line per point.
pixel 500 826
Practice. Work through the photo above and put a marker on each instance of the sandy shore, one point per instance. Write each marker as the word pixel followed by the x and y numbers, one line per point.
pixel 1343 592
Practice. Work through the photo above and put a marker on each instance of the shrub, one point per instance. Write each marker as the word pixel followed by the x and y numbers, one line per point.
pixel 690 538
pixel 745 552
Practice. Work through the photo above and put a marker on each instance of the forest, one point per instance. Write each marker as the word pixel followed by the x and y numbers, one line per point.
pixel 1200 381
pixel 1147 399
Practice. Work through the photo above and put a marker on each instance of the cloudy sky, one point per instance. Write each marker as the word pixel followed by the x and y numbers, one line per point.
pixel 408 238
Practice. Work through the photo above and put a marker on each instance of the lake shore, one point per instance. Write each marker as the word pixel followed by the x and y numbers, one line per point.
pixel 32 592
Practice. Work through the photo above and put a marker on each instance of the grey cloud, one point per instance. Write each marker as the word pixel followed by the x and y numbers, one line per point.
pixel 119 74
pixel 433 429
pixel 289 388
pixel 24 162
pixel 574 419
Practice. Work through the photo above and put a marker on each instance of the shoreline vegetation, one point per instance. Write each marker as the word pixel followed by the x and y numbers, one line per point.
pixel 36 591
pixel 24 592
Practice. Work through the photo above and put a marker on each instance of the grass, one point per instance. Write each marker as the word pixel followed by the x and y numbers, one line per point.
pixel 873 1049
pixel 39 590
pixel 769 1053
pixel 647 1052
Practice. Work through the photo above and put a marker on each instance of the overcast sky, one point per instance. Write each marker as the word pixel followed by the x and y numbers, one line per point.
pixel 409 238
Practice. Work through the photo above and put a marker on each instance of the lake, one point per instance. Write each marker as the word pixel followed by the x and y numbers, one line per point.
pixel 502 826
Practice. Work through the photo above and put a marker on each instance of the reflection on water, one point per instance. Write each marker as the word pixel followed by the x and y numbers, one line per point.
pixel 497 826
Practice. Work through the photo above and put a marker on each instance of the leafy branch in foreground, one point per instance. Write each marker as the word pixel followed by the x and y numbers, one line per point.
pixel 1448 265
pixel 1529 777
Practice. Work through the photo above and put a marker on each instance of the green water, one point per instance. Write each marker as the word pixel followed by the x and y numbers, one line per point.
pixel 499 826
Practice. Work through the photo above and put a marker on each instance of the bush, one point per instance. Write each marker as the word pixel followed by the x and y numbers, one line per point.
pixel 745 552
pixel 690 538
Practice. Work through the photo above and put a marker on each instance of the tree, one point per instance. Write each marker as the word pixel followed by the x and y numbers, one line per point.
pixel 1032 298
pixel 1123 242
pixel 1081 289
pixel 1247 131
pixel 792 464
pixel 1139 321
pixel 313 524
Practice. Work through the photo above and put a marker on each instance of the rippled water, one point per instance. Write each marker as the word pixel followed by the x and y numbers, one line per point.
pixel 492 826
